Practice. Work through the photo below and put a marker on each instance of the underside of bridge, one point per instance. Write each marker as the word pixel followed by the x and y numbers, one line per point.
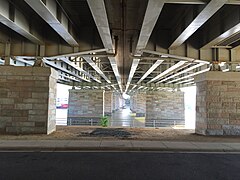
pixel 122 46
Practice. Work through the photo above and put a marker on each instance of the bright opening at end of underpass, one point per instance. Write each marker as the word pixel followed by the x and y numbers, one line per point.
pixel 189 103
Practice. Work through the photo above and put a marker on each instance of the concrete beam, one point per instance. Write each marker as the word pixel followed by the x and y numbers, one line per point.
pixel 70 63
pixel 101 20
pixel 96 68
pixel 76 54
pixel 224 36
pixel 206 68
pixel 212 7
pixel 164 55
pixel 150 70
pixel 152 13
pixel 58 21
pixel 16 21
pixel 232 2
pixel 181 72
pixel 167 71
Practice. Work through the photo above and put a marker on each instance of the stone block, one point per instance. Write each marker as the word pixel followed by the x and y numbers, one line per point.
pixel 165 105
pixel 40 106
pixel 23 106
pixel 84 103
pixel 231 130
pixel 26 93
pixel 6 101
pixel 221 107
pixel 40 95
pixel 214 132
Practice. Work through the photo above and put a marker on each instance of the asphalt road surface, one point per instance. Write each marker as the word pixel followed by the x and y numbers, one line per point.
pixel 118 165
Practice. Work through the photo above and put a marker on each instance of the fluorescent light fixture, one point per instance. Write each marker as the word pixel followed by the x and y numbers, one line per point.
pixel 140 87
pixel 190 75
pixel 154 66
pixel 179 64
pixel 182 72
pixel 96 68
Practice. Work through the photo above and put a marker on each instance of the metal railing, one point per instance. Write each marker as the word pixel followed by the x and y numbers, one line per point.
pixel 165 123
pixel 130 123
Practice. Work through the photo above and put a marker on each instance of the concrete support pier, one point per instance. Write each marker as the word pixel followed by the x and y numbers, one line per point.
pixel 138 104
pixel 218 103
pixel 27 100
pixel 108 103
pixel 165 106
pixel 85 106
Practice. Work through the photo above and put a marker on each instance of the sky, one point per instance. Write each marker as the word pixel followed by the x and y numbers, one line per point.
pixel 62 90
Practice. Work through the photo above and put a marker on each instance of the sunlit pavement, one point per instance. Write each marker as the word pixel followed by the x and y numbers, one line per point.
pixel 120 118
pixel 61 117
pixel 124 118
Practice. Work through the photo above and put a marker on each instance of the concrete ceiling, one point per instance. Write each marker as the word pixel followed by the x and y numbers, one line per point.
pixel 140 42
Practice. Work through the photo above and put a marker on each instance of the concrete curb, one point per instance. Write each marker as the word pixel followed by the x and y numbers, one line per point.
pixel 42 149
pixel 123 149
pixel 103 145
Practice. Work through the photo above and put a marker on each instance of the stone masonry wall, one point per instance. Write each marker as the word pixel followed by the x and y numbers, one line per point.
pixel 133 103
pixel 27 100
pixel 117 102
pixel 218 103
pixel 138 104
pixel 164 105
pixel 108 98
pixel 85 105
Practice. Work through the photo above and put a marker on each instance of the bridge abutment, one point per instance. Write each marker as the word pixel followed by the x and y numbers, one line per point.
pixel 27 100
pixel 218 103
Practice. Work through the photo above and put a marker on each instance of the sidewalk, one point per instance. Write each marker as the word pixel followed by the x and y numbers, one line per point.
pixel 117 145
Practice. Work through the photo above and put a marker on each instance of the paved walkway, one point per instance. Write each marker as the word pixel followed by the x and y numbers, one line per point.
pixel 117 145
pixel 123 118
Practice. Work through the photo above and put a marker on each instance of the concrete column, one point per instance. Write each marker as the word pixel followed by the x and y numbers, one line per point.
pixel 117 102
pixel 164 105
pixel 138 104
pixel 85 106
pixel 108 103
pixel 218 103
pixel 27 100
